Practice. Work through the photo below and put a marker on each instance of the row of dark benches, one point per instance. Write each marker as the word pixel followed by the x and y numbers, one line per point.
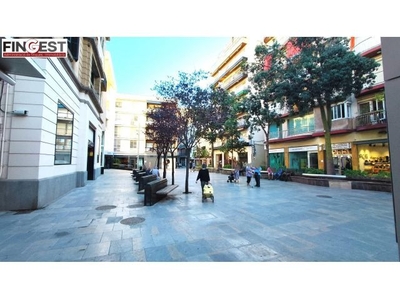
pixel 153 188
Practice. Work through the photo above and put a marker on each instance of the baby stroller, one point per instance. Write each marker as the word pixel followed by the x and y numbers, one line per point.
pixel 231 178
pixel 208 192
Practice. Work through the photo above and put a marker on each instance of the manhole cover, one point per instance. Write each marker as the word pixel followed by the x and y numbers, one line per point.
pixel 132 221
pixel 324 196
pixel 135 205
pixel 105 207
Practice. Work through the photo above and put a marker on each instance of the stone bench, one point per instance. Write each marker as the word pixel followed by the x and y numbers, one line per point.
pixel 139 175
pixel 143 180
pixel 134 173
pixel 168 189
pixel 156 190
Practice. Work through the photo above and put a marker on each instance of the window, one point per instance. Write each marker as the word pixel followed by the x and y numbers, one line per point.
pixel 340 111
pixel 64 131
pixel 373 108
pixel 274 131
pixel 73 47
pixel 301 125
pixel 149 146
pixel 133 144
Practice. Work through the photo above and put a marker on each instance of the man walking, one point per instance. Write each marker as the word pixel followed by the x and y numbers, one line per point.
pixel 257 175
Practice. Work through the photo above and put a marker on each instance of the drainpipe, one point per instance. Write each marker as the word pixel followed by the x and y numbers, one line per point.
pixel 4 131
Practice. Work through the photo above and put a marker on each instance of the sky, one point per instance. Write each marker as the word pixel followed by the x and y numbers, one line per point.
pixel 140 62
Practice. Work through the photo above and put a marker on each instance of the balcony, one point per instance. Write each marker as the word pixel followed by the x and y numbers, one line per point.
pixel 233 80
pixel 293 133
pixel 371 119
pixel 233 66
pixel 230 51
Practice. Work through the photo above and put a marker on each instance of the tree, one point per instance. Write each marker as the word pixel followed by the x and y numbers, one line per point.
pixel 193 102
pixel 231 137
pixel 163 130
pixel 201 152
pixel 259 105
pixel 321 72
pixel 220 112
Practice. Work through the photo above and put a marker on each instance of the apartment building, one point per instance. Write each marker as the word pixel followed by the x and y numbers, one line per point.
pixel 359 128
pixel 56 144
pixel 227 74
pixel 132 149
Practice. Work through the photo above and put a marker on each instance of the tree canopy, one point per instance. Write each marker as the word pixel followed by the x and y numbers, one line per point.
pixel 193 102
pixel 313 72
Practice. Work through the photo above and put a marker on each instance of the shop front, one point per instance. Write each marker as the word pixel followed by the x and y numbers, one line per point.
pixel 301 158
pixel 342 157
pixel 373 156
pixel 277 158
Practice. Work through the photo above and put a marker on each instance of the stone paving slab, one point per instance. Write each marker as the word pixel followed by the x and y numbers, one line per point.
pixel 277 222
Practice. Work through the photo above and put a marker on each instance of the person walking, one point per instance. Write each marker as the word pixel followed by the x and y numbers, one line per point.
pixel 204 177
pixel 257 175
pixel 249 174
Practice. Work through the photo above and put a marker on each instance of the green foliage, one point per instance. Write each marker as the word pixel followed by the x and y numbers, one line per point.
pixel 319 73
pixel 193 102
pixel 355 174
pixel 201 152
pixel 313 171
pixel 383 175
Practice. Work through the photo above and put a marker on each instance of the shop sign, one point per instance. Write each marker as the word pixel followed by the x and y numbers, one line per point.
pixel 303 149
pixel 341 146
pixel 279 150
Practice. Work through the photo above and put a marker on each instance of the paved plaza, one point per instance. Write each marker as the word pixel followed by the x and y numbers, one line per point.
pixel 277 222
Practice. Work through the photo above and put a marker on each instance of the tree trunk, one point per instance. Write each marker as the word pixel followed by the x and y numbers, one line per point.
pixel 326 121
pixel 188 150
pixel 212 154
pixel 266 152
pixel 165 165
pixel 172 168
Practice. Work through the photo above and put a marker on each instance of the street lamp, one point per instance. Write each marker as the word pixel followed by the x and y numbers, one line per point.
pixel 138 147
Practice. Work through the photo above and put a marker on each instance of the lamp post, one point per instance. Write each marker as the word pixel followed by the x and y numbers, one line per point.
pixel 138 147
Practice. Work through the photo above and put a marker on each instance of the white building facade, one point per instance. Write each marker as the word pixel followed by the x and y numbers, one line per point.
pixel 56 145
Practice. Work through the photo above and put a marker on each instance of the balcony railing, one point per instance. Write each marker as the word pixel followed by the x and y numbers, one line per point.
pixel 371 118
pixel 233 80
pixel 282 134
pixel 232 48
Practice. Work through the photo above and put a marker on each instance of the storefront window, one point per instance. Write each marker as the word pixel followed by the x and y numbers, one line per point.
pixel 277 160
pixel 63 151
pixel 374 157
pixel 298 160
